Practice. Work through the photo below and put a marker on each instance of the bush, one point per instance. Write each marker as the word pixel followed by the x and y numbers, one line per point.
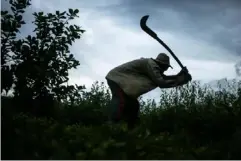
pixel 202 130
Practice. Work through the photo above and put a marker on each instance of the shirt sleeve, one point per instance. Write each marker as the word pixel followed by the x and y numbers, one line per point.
pixel 155 74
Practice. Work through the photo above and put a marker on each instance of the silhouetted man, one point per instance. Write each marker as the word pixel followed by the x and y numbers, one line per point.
pixel 132 79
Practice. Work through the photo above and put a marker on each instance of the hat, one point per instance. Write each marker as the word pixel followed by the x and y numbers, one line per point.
pixel 162 58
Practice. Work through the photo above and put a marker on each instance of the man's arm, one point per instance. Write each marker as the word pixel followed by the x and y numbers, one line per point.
pixel 172 76
pixel 154 72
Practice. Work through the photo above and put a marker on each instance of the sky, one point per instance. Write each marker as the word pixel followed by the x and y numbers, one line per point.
pixel 204 35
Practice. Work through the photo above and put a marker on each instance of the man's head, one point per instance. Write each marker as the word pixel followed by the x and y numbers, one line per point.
pixel 163 61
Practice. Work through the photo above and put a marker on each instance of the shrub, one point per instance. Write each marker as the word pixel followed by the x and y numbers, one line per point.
pixel 199 131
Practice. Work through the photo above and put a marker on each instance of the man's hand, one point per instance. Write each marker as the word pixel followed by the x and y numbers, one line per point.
pixel 183 77
pixel 183 71
pixel 189 77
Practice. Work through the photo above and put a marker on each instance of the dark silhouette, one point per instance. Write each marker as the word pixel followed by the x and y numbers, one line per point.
pixel 135 78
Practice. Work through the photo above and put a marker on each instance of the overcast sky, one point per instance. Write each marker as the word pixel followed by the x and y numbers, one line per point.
pixel 205 35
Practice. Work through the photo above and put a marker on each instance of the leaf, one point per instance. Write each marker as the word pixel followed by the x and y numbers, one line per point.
pixel 19 17
pixel 71 56
pixel 22 22
pixel 21 11
pixel 13 8
pixel 76 11
pixel 71 28
pixel 4 13
pixel 40 13
pixel 63 17
pixel 63 13
pixel 71 11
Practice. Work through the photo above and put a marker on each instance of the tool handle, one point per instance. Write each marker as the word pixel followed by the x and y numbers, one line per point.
pixel 171 52
pixel 185 69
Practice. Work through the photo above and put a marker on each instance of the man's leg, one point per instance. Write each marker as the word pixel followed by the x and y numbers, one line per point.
pixel 132 110
pixel 117 103
pixel 123 107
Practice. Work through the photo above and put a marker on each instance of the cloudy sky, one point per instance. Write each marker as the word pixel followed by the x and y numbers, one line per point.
pixel 205 35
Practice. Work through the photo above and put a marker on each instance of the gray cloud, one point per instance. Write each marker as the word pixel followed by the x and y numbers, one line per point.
pixel 216 21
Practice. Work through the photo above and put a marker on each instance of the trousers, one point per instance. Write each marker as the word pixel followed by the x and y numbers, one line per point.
pixel 122 106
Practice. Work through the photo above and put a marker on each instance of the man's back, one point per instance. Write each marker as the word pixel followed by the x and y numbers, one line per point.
pixel 133 77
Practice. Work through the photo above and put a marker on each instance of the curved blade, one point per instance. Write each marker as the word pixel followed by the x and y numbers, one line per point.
pixel 143 21
pixel 146 28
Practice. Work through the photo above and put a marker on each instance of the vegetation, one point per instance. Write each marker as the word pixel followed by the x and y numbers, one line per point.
pixel 47 119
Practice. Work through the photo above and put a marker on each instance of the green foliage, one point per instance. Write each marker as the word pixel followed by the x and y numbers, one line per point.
pixel 202 130
pixel 10 25
pixel 37 67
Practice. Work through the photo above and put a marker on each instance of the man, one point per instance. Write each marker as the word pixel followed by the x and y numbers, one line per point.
pixel 132 79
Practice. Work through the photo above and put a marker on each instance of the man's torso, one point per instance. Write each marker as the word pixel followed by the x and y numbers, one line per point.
pixel 132 77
